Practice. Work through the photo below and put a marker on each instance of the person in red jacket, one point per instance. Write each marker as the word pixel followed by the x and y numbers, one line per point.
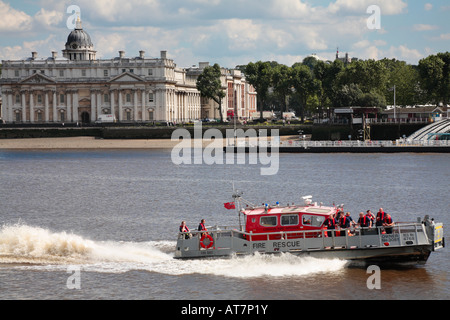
pixel 202 227
pixel 364 222
pixel 184 228
pixel 388 223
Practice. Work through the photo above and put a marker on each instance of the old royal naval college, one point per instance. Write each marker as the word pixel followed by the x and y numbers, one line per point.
pixel 78 88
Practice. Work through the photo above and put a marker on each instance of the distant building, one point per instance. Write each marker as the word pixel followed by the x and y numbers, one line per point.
pixel 240 98
pixel 419 112
pixel 78 87
pixel 346 60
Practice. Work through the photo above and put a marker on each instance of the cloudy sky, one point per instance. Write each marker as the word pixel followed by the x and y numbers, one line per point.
pixel 231 32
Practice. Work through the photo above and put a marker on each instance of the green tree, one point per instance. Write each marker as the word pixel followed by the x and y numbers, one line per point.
pixel 405 77
pixel 210 86
pixel 282 85
pixel 369 75
pixel 305 86
pixel 435 77
pixel 259 75
pixel 349 95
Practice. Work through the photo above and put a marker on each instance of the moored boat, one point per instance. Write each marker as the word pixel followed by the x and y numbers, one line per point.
pixel 300 230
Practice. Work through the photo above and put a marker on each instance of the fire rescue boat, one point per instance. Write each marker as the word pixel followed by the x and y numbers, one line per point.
pixel 300 230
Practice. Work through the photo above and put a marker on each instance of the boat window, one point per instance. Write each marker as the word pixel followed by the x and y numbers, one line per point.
pixel 268 221
pixel 289 220
pixel 313 221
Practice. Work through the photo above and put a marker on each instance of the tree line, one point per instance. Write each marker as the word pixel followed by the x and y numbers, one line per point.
pixel 315 85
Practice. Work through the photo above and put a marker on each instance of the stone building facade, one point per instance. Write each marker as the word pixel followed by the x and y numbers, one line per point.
pixel 78 88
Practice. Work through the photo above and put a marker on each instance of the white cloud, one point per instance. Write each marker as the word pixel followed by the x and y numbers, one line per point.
pixel 388 7
pixel 428 6
pixel 13 20
pixel 425 27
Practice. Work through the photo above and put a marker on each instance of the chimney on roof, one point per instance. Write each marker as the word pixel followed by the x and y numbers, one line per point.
pixel 34 55
pixel 142 54
pixel 54 55
pixel 121 54
pixel 163 54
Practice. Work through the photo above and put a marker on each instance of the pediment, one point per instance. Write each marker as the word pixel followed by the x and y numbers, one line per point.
pixel 37 78
pixel 127 77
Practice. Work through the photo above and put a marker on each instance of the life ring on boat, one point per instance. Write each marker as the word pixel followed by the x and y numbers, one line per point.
pixel 210 244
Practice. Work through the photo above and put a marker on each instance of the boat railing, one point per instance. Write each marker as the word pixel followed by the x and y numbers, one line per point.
pixel 400 234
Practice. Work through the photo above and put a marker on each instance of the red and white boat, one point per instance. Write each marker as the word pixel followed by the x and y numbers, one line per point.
pixel 300 230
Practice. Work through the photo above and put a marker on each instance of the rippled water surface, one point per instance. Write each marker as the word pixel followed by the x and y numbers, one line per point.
pixel 115 214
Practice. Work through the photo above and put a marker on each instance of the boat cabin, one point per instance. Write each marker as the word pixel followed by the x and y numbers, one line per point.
pixel 284 219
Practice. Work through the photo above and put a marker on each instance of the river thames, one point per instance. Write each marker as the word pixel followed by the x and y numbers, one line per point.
pixel 111 218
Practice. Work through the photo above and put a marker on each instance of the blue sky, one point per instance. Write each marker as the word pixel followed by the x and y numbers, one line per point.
pixel 231 32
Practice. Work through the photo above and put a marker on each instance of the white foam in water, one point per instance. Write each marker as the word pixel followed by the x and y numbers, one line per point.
pixel 32 247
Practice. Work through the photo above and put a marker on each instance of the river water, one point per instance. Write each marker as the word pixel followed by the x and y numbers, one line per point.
pixel 107 222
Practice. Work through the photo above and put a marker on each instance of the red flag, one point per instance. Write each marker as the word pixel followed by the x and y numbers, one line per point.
pixel 229 205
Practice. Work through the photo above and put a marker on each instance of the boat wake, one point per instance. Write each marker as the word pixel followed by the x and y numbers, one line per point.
pixel 26 247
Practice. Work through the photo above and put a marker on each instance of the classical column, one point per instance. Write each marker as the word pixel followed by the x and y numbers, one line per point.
pixel 75 106
pixel 93 106
pixel 55 105
pixel 135 105
pixel 120 105
pixel 99 104
pixel 112 102
pixel 69 106
pixel 46 107
pixel 9 97
pixel 31 106
pixel 24 106
pixel 144 111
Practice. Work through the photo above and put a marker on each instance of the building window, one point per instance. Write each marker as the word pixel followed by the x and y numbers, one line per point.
pixel 42 71
pixel 151 115
pixel 128 115
pixel 61 73
pixel 105 73
pixel 289 220
pixel 16 73
pixel 150 72
pixel 17 99
pixel 124 70
pixel 312 220
pixel 18 117
pixel 268 221
pixel 39 98
pixel 131 70
pixel 128 97
pixel 106 98
pixel 83 73
pixel 39 116
pixel 63 116
pixel 61 98
pixel 151 97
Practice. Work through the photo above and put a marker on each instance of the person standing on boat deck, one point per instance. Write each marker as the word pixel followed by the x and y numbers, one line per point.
pixel 371 216
pixel 330 223
pixel 344 223
pixel 184 228
pixel 352 222
pixel 201 226
pixel 388 223
pixel 380 217
pixel 364 221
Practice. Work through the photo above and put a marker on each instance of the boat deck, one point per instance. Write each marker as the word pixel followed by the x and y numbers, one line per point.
pixel 352 243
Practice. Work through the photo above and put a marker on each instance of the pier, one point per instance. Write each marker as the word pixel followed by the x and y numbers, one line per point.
pixel 290 146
